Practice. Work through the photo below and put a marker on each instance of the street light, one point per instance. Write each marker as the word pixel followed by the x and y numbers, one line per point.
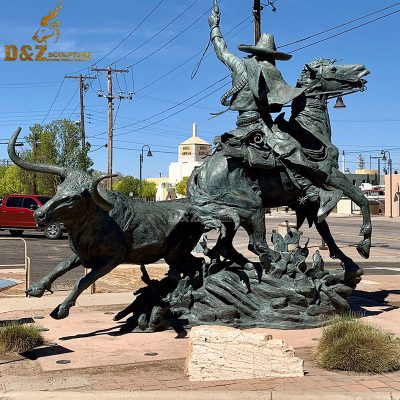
pixel 141 157
pixel 384 152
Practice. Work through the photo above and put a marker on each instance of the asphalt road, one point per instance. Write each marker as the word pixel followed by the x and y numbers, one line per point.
pixel 46 254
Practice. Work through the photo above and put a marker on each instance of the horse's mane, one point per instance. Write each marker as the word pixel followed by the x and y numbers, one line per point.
pixel 305 76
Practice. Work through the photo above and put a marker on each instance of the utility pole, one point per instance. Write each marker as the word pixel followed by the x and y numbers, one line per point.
pixel 34 156
pixel 343 162
pixel 82 88
pixel 257 20
pixel 110 97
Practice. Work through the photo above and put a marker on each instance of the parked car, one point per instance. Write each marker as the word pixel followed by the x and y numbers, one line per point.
pixel 16 215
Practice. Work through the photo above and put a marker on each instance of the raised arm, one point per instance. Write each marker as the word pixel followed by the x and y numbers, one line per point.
pixel 224 55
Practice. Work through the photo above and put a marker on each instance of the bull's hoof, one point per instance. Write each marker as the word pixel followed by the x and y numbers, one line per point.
pixel 59 313
pixel 36 291
pixel 364 248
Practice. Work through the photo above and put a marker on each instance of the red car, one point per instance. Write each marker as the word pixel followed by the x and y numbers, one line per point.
pixel 16 215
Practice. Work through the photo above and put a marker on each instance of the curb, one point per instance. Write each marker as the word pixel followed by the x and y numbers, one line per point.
pixel 194 395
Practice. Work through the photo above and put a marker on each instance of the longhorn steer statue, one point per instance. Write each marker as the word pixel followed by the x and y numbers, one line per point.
pixel 106 229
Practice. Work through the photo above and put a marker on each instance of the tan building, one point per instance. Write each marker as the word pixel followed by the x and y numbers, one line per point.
pixel 392 196
pixel 165 191
pixel 191 154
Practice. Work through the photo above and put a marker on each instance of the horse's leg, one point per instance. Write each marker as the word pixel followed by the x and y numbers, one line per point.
pixel 339 181
pixel 255 228
pixel 334 251
pixel 224 246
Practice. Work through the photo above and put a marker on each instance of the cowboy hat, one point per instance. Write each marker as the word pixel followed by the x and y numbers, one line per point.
pixel 265 48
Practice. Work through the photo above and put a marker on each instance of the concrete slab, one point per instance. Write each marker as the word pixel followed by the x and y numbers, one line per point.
pixel 50 301
pixel 91 339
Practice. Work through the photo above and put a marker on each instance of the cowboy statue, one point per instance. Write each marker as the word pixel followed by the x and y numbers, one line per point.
pixel 259 89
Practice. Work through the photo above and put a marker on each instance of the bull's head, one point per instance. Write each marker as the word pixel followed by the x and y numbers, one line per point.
pixel 75 196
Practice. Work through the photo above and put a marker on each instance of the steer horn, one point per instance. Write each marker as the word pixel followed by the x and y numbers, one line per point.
pixel 100 196
pixel 49 169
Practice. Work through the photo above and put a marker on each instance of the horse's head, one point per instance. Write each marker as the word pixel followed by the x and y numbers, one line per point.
pixel 324 75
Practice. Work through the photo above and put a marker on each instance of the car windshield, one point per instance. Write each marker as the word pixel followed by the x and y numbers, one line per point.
pixel 43 199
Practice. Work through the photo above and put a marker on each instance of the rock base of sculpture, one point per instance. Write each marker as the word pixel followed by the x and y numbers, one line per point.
pixel 285 294
pixel 223 353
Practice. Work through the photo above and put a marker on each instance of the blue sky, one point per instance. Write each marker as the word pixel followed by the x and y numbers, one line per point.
pixel 370 122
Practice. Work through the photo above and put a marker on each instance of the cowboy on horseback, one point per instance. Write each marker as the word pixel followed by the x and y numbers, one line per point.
pixel 259 89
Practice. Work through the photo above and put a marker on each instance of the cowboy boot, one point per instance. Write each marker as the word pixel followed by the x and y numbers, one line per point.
pixel 327 198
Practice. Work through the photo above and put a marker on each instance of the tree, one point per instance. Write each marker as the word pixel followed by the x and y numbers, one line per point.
pixel 13 181
pixel 181 187
pixel 129 184
pixel 126 185
pixel 57 143
pixel 149 189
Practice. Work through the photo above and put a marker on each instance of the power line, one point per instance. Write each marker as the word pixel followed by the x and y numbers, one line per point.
pixel 73 112
pixel 339 26
pixel 158 33
pixel 188 60
pixel 127 37
pixel 132 32
pixel 155 151
pixel 168 109
pixel 55 98
pixel 171 40
pixel 345 31
pixel 175 113
pixel 65 108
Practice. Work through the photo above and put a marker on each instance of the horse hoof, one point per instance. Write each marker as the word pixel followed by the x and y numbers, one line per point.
pixel 364 247
pixel 59 313
pixel 350 266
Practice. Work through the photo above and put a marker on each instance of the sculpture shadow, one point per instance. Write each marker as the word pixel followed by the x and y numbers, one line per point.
pixel 361 299
pixel 47 351
pixel 106 331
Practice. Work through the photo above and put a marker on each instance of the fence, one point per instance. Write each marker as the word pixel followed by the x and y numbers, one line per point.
pixel 26 264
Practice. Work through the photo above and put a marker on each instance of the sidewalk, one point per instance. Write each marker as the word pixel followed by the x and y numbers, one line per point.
pixel 101 360
pixel 203 395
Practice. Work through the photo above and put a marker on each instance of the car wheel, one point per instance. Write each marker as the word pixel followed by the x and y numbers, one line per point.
pixel 53 232
pixel 16 232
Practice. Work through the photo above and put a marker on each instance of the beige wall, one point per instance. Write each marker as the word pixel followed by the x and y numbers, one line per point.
pixel 392 198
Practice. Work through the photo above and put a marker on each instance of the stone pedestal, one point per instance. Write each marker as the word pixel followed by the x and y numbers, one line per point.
pixel 224 353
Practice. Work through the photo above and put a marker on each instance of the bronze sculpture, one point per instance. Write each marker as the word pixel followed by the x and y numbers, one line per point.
pixel 262 163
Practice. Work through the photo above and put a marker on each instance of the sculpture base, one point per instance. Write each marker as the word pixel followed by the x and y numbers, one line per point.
pixel 285 294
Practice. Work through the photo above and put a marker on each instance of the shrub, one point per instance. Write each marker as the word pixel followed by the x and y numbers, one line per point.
pixel 351 344
pixel 17 338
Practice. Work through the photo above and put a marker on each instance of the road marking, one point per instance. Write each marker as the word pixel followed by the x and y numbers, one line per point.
pixel 384 268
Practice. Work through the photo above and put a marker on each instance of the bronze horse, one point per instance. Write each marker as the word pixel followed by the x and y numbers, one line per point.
pixel 226 193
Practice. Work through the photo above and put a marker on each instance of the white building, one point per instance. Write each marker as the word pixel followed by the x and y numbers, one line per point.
pixel 191 154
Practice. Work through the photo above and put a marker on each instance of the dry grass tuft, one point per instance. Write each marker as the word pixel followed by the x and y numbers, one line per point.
pixel 350 344
pixel 17 338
